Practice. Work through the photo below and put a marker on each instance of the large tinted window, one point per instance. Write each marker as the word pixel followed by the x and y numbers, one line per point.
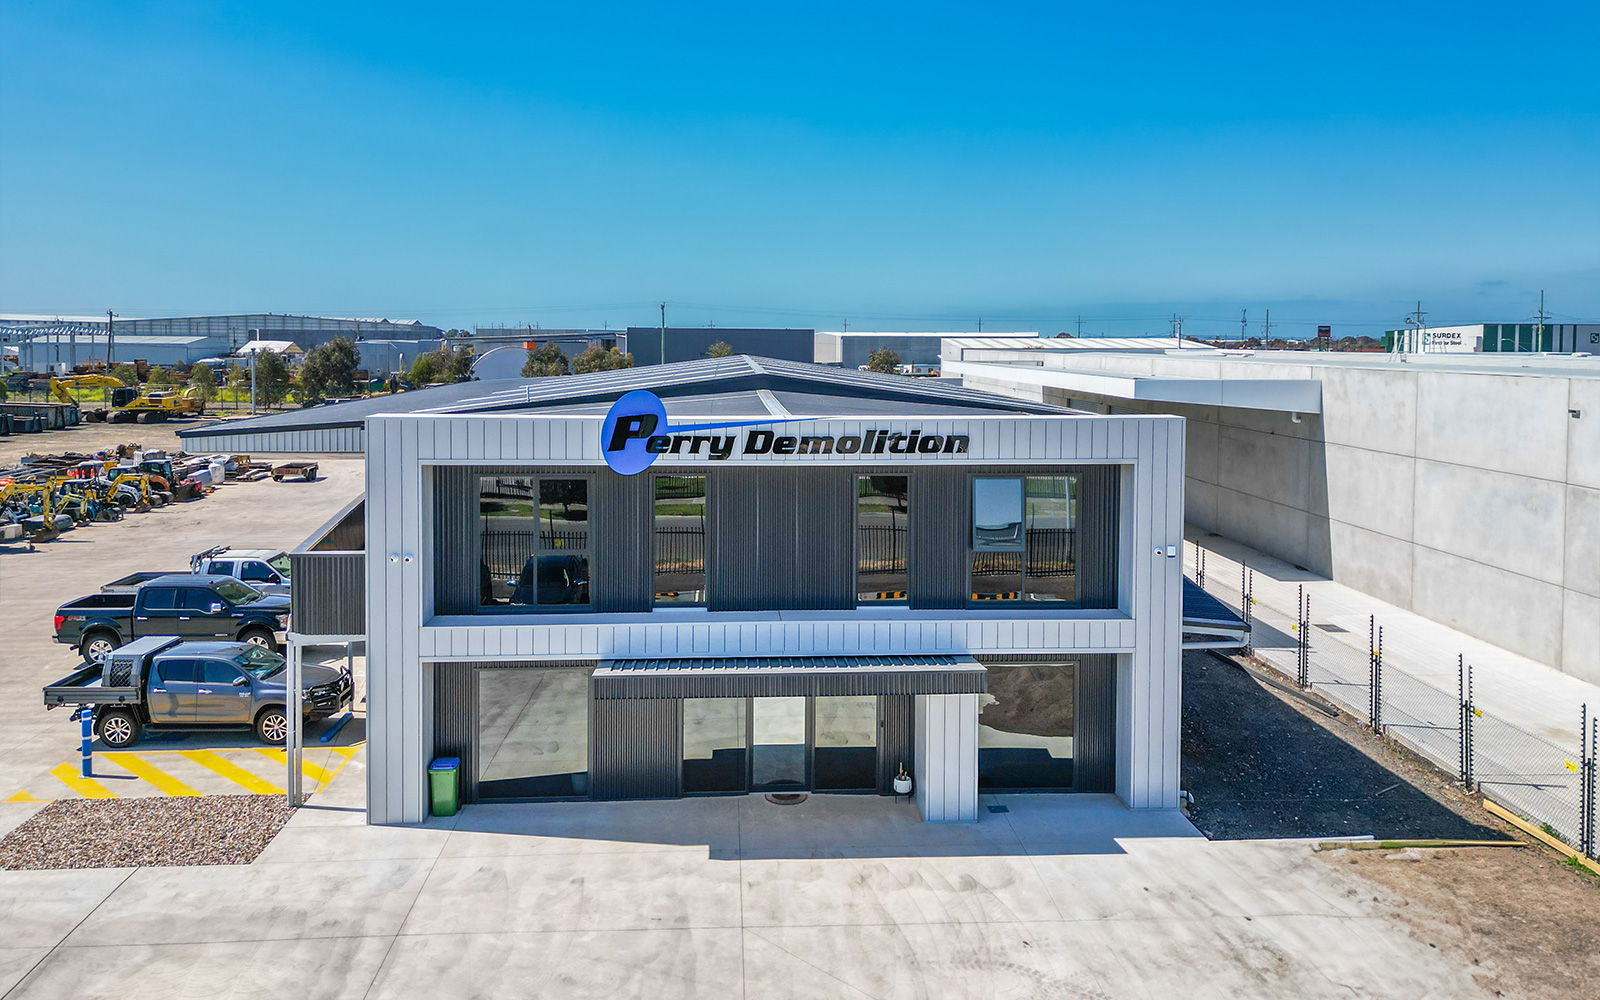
pixel 1025 726
pixel 1050 572
pixel 1024 538
pixel 846 752
pixel 534 541
pixel 680 540
pixel 883 510
pixel 533 732
pixel 714 744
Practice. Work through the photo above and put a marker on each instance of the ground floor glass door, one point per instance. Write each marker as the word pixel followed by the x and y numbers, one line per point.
pixel 845 753
pixel 780 741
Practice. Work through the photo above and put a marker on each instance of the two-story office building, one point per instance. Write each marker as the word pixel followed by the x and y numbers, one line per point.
pixel 743 575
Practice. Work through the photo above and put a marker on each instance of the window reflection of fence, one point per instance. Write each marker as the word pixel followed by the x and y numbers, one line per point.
pixel 505 552
pixel 1051 552
pixel 881 548
pixel 680 550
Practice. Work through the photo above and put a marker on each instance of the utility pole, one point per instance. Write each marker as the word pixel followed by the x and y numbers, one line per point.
pixel 1266 330
pixel 1080 325
pixel 253 355
pixel 1243 330
pixel 111 322
pixel 846 326
pixel 980 324
pixel 663 333
pixel 1415 321
pixel 1543 317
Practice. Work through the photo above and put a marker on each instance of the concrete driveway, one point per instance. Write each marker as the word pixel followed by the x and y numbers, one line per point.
pixel 841 896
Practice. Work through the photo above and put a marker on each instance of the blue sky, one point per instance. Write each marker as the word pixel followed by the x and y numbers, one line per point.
pixel 900 166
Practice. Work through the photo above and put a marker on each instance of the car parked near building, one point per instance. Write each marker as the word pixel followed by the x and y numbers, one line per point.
pixel 161 683
pixel 265 569
pixel 194 606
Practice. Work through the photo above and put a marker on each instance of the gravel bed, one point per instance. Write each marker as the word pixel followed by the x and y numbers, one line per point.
pixel 156 831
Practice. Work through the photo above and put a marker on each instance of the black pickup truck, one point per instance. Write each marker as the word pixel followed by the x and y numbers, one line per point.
pixel 160 682
pixel 183 605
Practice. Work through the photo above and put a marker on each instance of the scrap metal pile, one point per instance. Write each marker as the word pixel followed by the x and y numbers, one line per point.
pixel 49 494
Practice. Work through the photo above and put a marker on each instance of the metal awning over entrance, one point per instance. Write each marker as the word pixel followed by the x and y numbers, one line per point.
pixel 1208 623
pixel 789 676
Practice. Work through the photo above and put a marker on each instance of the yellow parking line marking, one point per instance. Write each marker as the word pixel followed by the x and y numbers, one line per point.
pixel 23 796
pixel 233 772
pixel 149 772
pixel 313 771
pixel 89 788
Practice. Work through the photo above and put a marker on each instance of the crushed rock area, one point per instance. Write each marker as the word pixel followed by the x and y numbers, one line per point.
pixel 154 832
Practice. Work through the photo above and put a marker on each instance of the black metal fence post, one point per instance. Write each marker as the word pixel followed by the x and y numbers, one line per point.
pixel 1375 648
pixel 1247 584
pixel 1588 746
pixel 1464 696
pixel 1304 628
pixel 1200 569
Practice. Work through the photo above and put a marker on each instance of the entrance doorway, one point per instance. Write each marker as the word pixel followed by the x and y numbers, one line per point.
pixel 781 744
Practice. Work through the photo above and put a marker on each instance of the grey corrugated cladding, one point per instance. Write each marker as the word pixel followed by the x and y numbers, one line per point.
pixel 329 596
pixel 896 733
pixel 455 720
pixel 636 749
pixel 788 676
pixel 1094 720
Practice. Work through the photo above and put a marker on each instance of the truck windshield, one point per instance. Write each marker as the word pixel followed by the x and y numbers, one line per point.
pixel 235 592
pixel 259 663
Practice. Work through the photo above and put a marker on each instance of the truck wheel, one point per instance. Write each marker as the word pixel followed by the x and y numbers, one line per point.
pixel 272 726
pixel 96 646
pixel 117 728
pixel 259 637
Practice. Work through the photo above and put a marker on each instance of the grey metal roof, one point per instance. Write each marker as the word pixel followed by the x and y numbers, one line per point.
pixel 789 676
pixel 708 377
pixel 1207 622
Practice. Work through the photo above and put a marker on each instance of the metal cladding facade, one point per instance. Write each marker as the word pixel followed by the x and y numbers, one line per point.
pixel 426 639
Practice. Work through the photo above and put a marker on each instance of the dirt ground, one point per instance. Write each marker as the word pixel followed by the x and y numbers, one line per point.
pixel 1522 916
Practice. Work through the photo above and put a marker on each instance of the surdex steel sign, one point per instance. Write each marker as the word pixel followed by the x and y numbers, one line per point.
pixel 636 431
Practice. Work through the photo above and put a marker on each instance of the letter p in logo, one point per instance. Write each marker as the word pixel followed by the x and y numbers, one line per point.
pixel 629 423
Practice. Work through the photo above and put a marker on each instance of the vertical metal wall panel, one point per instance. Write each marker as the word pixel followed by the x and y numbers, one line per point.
pixel 946 774
pixel 777 514
pixel 824 540
pixel 1094 711
pixel 896 743
pixel 623 542
pixel 940 536
pixel 455 519
pixel 636 748
pixel 1097 536
pixel 329 593
pixel 455 720
pixel 733 572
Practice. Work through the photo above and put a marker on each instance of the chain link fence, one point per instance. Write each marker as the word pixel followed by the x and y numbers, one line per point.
pixel 1550 785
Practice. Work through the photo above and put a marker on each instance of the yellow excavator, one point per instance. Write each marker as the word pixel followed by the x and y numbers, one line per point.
pixel 148 405
pixel 59 386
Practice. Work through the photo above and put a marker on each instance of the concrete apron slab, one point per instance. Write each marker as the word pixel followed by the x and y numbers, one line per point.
pixel 1072 896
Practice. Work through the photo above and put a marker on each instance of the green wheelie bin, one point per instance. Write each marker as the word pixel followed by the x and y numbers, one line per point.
pixel 444 785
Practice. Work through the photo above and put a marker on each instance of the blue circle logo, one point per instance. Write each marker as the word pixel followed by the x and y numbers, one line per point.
pixel 630 422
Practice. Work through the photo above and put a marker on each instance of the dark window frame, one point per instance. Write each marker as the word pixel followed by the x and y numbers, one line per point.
pixel 1021 600
pixel 587 551
pixel 706 561
pixel 855 542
